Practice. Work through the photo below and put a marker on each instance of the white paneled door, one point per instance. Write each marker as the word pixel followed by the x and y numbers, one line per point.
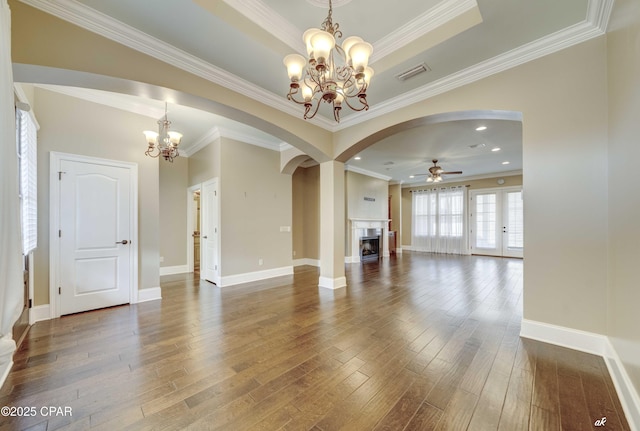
pixel 210 236
pixel 95 236
pixel 497 227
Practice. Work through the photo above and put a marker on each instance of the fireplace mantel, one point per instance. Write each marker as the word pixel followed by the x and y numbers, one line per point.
pixel 357 224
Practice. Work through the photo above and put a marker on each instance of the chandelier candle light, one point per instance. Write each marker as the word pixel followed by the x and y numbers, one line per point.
pixel 165 142
pixel 322 78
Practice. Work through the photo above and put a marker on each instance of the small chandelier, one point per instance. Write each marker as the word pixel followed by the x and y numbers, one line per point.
pixel 321 78
pixel 165 142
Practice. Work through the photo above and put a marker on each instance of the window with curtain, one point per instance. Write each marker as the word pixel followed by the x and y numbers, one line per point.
pixel 439 220
pixel 26 138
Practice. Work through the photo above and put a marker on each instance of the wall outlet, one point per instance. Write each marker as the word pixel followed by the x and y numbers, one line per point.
pixel 161 259
pixel 260 262
pixel 294 252
pixel 285 228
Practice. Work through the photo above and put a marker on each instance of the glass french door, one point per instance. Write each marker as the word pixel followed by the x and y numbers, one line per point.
pixel 497 227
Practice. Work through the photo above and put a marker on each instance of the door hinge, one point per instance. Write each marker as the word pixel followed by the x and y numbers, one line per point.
pixel 60 175
pixel 216 267
pixel 59 233
pixel 30 303
pixel 215 193
pixel 215 230
pixel 59 290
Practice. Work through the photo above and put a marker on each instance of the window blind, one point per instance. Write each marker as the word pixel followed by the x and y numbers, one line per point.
pixel 28 155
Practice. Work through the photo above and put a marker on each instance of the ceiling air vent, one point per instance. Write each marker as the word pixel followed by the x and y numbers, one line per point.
pixel 415 70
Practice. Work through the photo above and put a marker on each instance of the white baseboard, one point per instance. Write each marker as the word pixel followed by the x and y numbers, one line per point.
pixel 231 280
pixel 566 337
pixel 596 344
pixel 39 313
pixel 332 283
pixel 399 250
pixel 629 397
pixel 149 294
pixel 306 261
pixel 170 270
pixel 352 259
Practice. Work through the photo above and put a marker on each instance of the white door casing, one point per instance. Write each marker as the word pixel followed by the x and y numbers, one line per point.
pixel 94 233
pixel 210 232
pixel 496 217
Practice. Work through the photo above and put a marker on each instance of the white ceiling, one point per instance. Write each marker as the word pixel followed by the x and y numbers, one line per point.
pixel 241 43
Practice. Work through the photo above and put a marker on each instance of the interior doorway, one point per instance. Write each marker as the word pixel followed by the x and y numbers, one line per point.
pixel 196 231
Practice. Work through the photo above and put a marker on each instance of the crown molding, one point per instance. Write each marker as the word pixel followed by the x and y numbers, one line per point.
pixel 366 172
pixel 598 13
pixel 204 140
pixel 424 23
pixel 85 17
pixel 470 178
pixel 265 17
pixel 249 139
pixel 221 132
pixel 546 45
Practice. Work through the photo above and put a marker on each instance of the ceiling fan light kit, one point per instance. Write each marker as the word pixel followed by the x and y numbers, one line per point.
pixel 436 172
pixel 332 73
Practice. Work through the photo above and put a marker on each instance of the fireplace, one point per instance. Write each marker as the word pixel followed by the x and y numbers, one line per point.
pixel 368 239
pixel 370 244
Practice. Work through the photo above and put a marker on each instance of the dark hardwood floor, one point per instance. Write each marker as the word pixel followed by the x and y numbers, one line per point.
pixel 415 342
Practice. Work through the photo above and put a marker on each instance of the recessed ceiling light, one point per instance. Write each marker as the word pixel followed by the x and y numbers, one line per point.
pixel 412 176
pixel 505 163
pixel 357 158
pixel 496 149
pixel 481 128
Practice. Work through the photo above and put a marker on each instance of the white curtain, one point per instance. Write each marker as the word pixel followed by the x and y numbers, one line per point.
pixel 439 220
pixel 11 289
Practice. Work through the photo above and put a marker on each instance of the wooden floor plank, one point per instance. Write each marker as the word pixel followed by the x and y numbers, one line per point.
pixel 415 342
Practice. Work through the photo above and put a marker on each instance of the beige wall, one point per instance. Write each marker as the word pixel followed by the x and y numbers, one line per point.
pixel 173 211
pixel 623 323
pixel 204 165
pixel 306 213
pixel 255 201
pixel 358 187
pixel 486 183
pixel 71 125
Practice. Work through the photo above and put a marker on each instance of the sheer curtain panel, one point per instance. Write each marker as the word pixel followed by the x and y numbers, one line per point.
pixel 439 220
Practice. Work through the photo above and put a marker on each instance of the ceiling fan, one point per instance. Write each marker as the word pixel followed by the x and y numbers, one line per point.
pixel 436 172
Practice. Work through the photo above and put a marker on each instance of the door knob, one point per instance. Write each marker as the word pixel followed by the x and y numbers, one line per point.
pixel 124 241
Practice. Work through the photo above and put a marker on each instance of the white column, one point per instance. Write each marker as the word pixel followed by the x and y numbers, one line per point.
pixel 332 225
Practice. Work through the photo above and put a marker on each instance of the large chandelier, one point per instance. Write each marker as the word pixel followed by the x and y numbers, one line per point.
pixel 332 73
pixel 165 142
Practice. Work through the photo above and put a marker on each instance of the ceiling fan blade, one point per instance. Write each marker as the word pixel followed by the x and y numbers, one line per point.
pixel 450 173
pixel 419 175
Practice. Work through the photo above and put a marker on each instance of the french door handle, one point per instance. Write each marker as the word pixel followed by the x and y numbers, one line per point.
pixel 205 237
pixel 124 241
